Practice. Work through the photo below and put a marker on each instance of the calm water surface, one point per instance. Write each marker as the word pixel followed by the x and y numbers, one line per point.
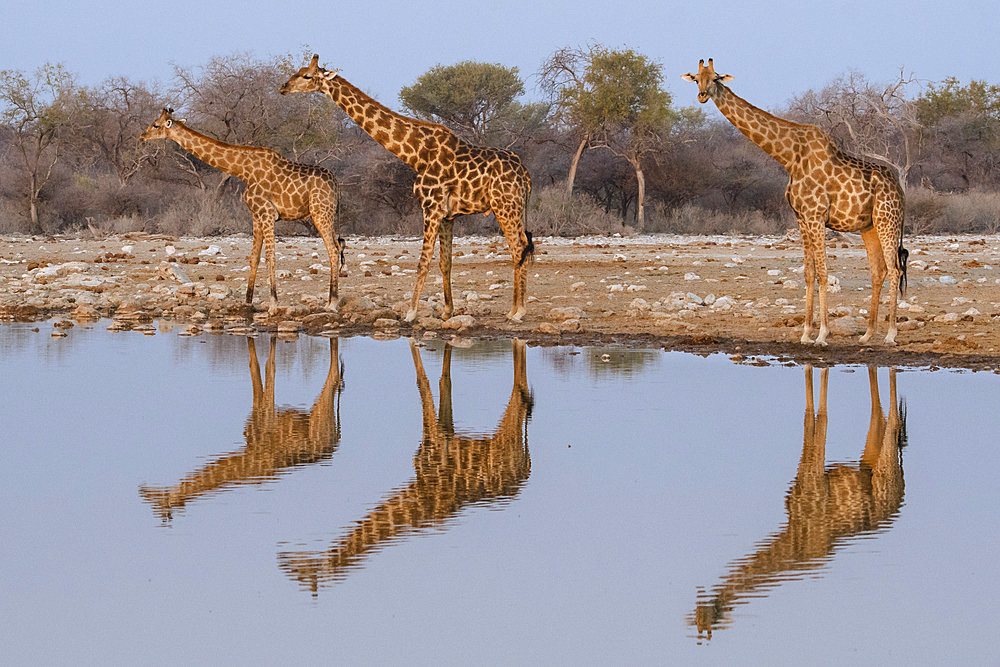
pixel 216 499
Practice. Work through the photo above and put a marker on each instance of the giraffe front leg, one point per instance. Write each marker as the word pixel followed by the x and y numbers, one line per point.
pixel 445 240
pixel 431 225
pixel 891 254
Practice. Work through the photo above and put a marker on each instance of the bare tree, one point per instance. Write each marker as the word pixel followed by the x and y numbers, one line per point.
pixel 876 120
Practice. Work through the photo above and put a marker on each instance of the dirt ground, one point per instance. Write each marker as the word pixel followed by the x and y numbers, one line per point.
pixel 739 296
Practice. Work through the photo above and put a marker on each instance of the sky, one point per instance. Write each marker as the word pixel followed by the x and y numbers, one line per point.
pixel 775 50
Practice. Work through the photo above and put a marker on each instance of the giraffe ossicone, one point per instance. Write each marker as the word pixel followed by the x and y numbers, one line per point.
pixel 276 189
pixel 826 188
pixel 453 178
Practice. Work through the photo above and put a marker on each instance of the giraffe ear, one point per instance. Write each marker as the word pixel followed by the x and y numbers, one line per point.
pixel 724 78
pixel 689 77
pixel 169 123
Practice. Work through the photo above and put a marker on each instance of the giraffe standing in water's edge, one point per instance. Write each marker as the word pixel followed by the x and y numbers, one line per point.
pixel 826 188
pixel 453 178
pixel 277 189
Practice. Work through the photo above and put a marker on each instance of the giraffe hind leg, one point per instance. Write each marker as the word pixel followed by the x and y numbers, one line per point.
pixel 877 265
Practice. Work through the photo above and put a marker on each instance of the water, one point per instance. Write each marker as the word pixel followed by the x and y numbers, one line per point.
pixel 202 500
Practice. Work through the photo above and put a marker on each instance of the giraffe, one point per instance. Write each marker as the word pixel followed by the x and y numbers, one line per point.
pixel 826 188
pixel 453 178
pixel 452 472
pixel 827 507
pixel 276 189
pixel 276 440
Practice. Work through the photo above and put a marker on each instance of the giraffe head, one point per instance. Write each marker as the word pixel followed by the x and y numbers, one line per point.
pixel 707 80
pixel 160 128
pixel 308 79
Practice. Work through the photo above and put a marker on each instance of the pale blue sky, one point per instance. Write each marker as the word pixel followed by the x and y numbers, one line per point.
pixel 775 50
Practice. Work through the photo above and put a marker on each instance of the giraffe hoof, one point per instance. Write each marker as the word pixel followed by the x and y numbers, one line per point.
pixel 867 337
pixel 331 306
pixel 890 340
pixel 411 315
pixel 820 342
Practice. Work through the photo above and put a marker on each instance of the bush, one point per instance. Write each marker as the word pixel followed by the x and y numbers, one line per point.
pixel 693 219
pixel 972 212
pixel 556 213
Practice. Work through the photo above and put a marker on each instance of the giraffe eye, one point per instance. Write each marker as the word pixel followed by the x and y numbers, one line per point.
pixel 306 76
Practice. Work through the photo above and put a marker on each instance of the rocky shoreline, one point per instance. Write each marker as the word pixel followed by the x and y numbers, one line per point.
pixel 732 295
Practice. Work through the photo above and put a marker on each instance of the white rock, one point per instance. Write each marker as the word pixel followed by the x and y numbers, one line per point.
pixel 211 250
pixel 774 272
pixel 948 280
pixel 171 271
pixel 616 288
pixel 170 250
pixel 127 249
pixel 724 303
pixel 637 288
pixel 577 286
pixel 948 318
pixel 692 276
pixel 972 311
pixel 709 299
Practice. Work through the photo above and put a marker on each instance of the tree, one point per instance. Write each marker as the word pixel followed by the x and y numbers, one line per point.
pixel 960 129
pixel 620 105
pixel 110 118
pixel 35 111
pixel 562 76
pixel 475 99
pixel 876 120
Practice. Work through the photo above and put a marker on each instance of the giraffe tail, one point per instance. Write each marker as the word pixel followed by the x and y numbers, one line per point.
pixel 902 254
pixel 528 252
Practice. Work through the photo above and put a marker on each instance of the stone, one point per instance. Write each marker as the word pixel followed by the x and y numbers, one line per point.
pixel 210 251
pixel 547 328
pixel 171 271
pixel 570 325
pixel 565 313
pixel 948 280
pixel 459 322
pixel 844 326
pixel 385 323
pixel 724 303
pixel 577 286
pixel 290 326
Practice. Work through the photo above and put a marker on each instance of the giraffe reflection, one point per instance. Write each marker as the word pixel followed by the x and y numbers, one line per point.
pixel 827 507
pixel 452 472
pixel 275 439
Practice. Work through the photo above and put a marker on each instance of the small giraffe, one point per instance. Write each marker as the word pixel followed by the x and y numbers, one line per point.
pixel 276 440
pixel 452 472
pixel 277 189
pixel 827 507
pixel 826 188
pixel 453 178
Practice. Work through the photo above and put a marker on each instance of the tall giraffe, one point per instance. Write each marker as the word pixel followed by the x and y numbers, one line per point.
pixel 453 178
pixel 826 188
pixel 452 471
pixel 276 440
pixel 277 189
pixel 827 507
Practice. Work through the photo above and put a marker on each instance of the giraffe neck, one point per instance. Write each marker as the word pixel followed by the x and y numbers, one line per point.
pixel 415 142
pixel 234 160
pixel 767 131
